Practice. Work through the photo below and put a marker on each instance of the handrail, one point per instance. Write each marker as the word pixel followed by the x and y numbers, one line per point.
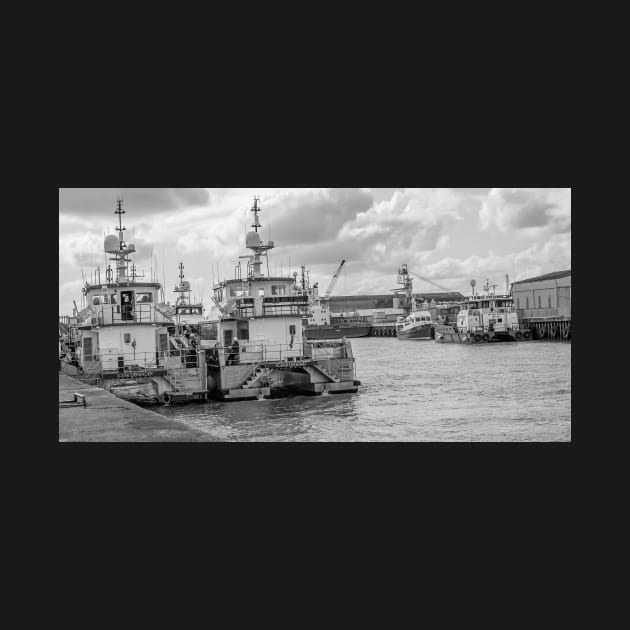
pixel 112 314
pixel 153 360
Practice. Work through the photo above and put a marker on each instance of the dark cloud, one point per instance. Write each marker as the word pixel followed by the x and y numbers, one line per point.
pixel 524 208
pixel 313 216
pixel 532 211
pixel 101 202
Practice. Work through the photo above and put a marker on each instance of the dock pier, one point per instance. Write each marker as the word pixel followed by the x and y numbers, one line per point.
pixel 91 414
pixel 383 330
pixel 550 329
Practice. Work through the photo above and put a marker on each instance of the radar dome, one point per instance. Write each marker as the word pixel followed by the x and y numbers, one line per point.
pixel 253 240
pixel 111 244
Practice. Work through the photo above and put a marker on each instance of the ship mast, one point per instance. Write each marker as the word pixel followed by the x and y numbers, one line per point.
pixel 182 288
pixel 122 250
pixel 255 244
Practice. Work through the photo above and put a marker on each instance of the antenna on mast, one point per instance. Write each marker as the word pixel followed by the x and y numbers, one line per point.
pixel 256 210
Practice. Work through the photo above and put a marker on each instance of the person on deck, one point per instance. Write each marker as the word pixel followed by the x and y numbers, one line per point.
pixel 233 358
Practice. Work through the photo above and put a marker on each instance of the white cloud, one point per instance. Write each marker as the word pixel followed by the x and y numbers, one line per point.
pixel 506 209
pixel 553 255
pixel 375 230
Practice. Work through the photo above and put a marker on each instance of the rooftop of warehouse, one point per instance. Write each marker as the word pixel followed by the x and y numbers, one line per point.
pixel 548 276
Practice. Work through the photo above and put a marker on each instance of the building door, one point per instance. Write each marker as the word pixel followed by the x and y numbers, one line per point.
pixel 126 298
pixel 162 347
pixel 87 349
pixel 227 338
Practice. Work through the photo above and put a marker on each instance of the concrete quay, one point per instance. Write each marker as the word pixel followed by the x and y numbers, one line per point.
pixel 107 418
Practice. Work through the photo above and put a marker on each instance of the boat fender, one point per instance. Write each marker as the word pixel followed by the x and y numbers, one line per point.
pixel 477 337
pixel 486 337
pixel 165 399
pixel 527 334
pixel 519 335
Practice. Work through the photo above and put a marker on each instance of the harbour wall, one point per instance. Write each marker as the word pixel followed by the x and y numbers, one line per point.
pixel 107 418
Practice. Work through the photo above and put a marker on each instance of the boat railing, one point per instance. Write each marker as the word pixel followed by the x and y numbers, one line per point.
pixel 259 352
pixel 122 362
pixel 115 314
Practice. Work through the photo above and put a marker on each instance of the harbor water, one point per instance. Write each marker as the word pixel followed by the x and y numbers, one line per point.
pixel 418 391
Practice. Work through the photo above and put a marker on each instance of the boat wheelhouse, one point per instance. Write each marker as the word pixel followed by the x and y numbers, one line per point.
pixel 261 347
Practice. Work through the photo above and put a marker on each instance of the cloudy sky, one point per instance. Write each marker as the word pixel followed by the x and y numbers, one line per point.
pixel 450 235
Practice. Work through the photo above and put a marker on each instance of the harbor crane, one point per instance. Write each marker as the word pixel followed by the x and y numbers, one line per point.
pixel 333 282
pixel 435 284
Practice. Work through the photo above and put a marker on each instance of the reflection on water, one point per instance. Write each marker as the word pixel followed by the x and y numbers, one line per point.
pixel 415 391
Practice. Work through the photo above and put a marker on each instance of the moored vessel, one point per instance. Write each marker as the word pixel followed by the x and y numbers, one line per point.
pixel 261 349
pixel 321 323
pixel 485 318
pixel 122 340
pixel 418 324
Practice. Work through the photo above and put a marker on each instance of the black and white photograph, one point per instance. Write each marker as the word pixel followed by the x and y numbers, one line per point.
pixel 428 315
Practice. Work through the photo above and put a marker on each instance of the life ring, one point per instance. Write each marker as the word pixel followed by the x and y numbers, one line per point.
pixel 486 337
pixel 165 399
pixel 477 337
pixel 527 334
pixel 519 335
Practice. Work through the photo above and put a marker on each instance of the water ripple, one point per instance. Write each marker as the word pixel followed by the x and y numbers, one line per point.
pixel 415 391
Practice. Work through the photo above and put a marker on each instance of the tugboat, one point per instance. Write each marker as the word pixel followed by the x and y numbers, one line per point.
pixel 418 325
pixel 485 318
pixel 261 349
pixel 123 340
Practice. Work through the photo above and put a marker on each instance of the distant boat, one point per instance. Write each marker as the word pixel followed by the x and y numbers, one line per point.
pixel 486 318
pixel 320 323
pixel 418 325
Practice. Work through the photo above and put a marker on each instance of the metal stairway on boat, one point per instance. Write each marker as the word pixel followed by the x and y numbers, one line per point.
pixel 258 371
pixel 320 368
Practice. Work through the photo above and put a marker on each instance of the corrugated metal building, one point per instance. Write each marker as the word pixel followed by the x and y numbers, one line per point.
pixel 544 296
pixel 544 303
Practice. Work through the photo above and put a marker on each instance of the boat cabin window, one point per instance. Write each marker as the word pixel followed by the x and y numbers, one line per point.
pixel 127 337
pixel 189 310
pixel 261 292
pixel 97 300
pixel 278 289
pixel 549 301
pixel 144 297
